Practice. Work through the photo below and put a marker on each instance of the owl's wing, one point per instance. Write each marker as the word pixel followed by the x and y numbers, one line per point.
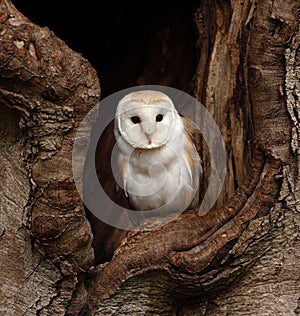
pixel 194 135
pixel 135 217
pixel 193 131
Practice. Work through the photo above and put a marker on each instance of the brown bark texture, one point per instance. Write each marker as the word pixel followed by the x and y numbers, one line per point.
pixel 240 258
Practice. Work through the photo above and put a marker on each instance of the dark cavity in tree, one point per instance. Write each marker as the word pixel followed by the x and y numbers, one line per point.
pixel 128 43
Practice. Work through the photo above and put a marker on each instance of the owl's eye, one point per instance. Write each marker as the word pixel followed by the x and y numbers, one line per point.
pixel 159 117
pixel 135 119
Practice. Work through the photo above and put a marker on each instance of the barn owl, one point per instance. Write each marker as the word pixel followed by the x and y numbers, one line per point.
pixel 158 161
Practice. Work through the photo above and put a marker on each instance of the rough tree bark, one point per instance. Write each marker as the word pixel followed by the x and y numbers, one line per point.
pixel 241 258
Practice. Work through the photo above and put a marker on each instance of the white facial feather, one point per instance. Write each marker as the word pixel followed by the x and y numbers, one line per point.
pixel 160 167
pixel 145 119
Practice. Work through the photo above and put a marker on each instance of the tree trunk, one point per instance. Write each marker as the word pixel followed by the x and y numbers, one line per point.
pixel 240 258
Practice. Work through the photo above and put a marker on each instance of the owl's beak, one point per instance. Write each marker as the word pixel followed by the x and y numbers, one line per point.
pixel 148 128
pixel 149 139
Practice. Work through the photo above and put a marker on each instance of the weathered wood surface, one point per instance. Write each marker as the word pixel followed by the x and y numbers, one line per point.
pixel 241 258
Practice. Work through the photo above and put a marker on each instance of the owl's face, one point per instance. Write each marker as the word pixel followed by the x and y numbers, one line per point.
pixel 145 119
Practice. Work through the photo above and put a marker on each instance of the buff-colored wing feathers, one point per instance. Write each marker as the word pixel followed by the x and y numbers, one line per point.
pixel 192 155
